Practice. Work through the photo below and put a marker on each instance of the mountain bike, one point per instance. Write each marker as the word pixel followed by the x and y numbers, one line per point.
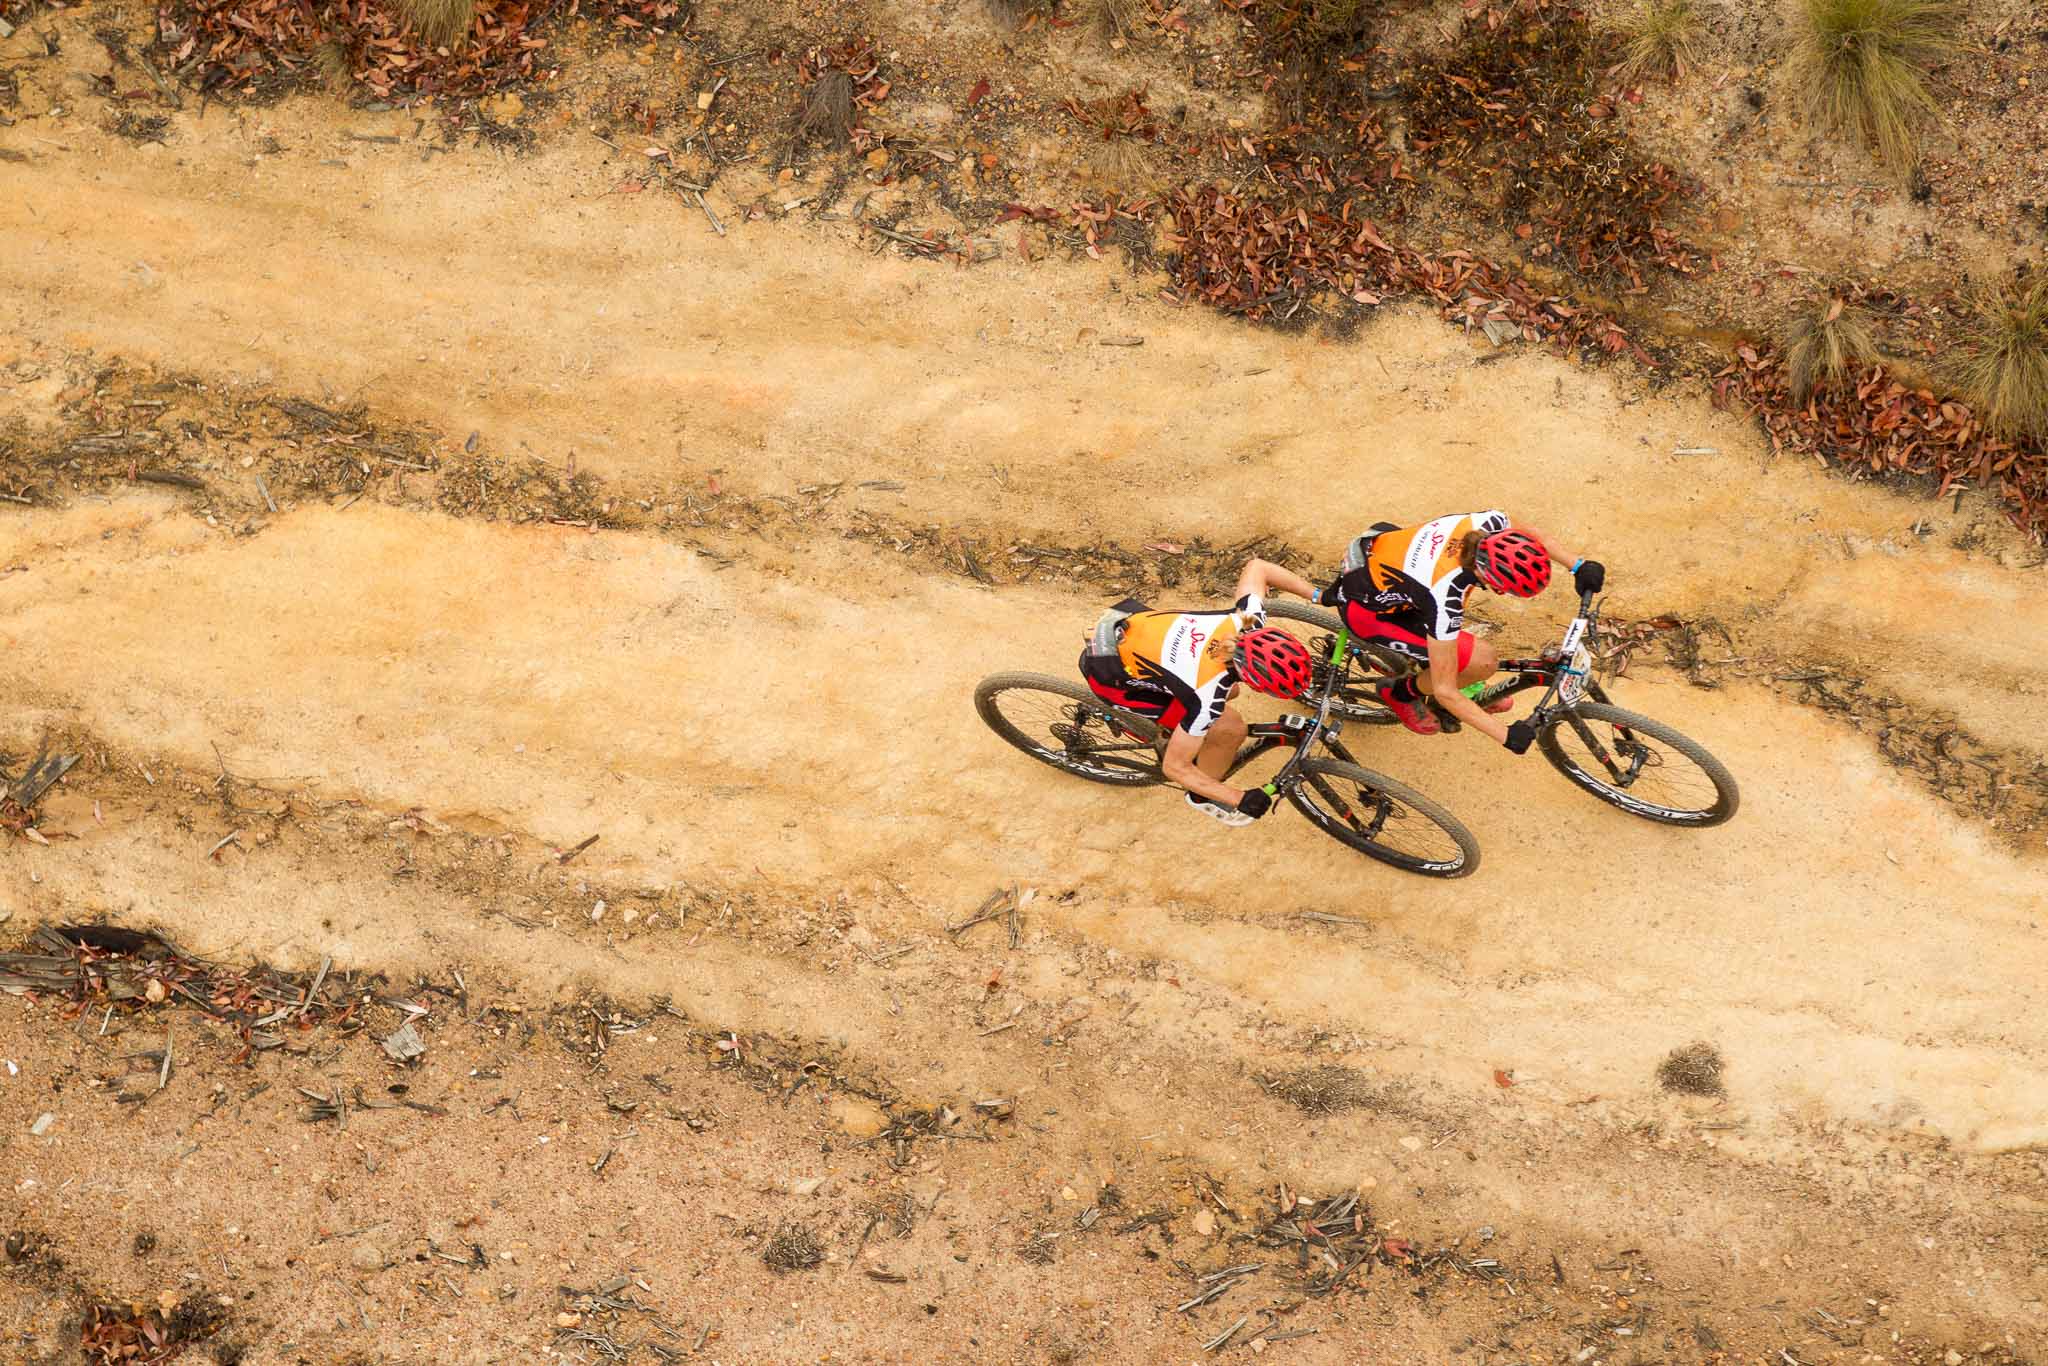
pixel 1642 766
pixel 1066 725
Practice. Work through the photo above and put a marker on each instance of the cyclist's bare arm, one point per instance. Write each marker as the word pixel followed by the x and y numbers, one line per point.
pixel 1262 578
pixel 1443 687
pixel 1178 764
pixel 1559 556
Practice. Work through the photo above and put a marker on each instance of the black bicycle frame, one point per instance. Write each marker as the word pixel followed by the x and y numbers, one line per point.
pixel 1550 674
pixel 1302 733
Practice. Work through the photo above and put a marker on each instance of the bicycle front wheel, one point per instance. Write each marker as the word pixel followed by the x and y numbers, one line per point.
pixel 1641 766
pixel 1382 819
pixel 1065 725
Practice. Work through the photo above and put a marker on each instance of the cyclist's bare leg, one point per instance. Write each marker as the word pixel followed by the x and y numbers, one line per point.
pixel 1220 745
pixel 1485 662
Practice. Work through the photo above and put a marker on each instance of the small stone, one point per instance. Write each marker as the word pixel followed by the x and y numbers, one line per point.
pixel 42 1124
pixel 565 1319
pixel 1952 1357
pixel 878 158
pixel 366 1257
pixel 703 99
pixel 154 993
pixel 1412 1144
pixel 1069 1193
pixel 809 1185
pixel 1205 1221
pixel 859 1118
pixel 597 912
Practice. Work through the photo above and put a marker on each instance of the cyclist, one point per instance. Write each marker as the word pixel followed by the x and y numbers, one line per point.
pixel 1182 668
pixel 1403 589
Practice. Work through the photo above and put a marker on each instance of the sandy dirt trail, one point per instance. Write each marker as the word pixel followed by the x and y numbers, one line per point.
pixel 1867 958
pixel 730 723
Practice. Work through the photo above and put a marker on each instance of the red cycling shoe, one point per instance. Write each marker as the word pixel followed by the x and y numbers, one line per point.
pixel 1411 714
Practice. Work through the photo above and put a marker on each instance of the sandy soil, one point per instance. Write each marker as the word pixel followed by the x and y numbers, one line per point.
pixel 775 743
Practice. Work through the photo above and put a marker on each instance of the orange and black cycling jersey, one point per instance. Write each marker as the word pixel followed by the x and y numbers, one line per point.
pixel 1411 576
pixel 1174 666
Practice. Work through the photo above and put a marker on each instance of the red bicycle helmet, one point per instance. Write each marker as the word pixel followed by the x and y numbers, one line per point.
pixel 1272 662
pixel 1515 563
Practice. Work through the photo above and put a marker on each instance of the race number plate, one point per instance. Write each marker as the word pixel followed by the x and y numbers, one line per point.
pixel 1573 685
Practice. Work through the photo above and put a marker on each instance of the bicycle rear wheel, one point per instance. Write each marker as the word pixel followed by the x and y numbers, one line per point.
pixel 1641 766
pixel 1366 667
pixel 1065 725
pixel 1382 819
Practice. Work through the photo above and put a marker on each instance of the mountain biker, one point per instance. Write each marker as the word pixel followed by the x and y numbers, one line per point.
pixel 1403 589
pixel 1182 668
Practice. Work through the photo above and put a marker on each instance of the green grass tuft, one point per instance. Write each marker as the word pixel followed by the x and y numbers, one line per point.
pixel 2004 361
pixel 1860 67
pixel 1659 38
pixel 1342 19
pixel 1826 344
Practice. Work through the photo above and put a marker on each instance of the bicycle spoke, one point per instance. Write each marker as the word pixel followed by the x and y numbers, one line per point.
pixel 1373 816
pixel 1081 737
pixel 1638 766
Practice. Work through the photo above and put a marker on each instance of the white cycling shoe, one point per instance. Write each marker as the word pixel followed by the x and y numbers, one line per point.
pixel 1222 813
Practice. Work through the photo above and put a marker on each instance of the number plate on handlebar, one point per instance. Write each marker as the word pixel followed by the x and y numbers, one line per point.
pixel 1571 686
pixel 1573 634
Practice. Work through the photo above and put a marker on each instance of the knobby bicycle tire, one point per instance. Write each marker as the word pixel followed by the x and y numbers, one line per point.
pixel 1304 788
pixel 1143 770
pixel 1726 796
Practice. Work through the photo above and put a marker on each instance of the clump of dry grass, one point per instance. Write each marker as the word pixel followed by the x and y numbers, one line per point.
pixel 1011 13
pixel 331 60
pixel 1123 164
pixel 1694 1070
pixel 2004 361
pixel 894 1211
pixel 1825 345
pixel 1321 1090
pixel 1659 38
pixel 828 108
pixel 793 1248
pixel 1112 18
pixel 440 22
pixel 1861 67
pixel 1040 1249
